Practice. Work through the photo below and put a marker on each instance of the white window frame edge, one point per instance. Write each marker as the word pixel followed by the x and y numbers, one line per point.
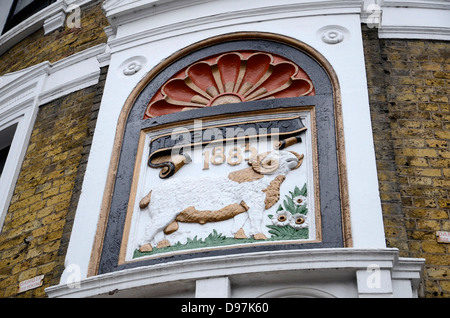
pixel 51 18
pixel 30 88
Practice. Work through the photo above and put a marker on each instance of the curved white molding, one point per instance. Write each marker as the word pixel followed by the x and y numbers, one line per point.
pixel 297 292
pixel 267 266
pixel 129 12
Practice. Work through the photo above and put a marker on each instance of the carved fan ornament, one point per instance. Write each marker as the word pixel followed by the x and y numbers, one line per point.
pixel 230 78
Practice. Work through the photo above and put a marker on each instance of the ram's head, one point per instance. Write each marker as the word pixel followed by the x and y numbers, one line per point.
pixel 276 162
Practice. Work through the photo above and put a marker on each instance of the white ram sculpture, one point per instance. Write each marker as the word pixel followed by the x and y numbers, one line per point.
pixel 243 194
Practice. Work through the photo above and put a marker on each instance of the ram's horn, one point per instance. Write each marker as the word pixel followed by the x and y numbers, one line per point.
pixel 263 165
pixel 169 164
pixel 299 157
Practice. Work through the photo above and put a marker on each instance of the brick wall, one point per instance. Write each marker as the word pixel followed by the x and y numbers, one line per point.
pixel 408 82
pixel 37 227
pixel 36 232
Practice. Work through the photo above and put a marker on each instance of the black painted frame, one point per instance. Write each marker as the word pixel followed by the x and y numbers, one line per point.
pixel 329 184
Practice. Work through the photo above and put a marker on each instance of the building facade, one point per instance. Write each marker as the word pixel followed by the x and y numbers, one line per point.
pixel 198 148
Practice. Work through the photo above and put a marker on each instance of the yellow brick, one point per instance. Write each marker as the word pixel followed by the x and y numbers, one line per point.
pixel 435 82
pixel 56 225
pixel 442 134
pixel 420 181
pixel 30 273
pixel 441 183
pixel 437 272
pixel 421 162
pixel 26 194
pixel 413 98
pixel 444 153
pixel 54 151
pixel 52 246
pixel 439 74
pixel 427 213
pixel 23 266
pixel 20 221
pixel 418 152
pixel 413 171
pixel 444 203
pixel 446 172
pixel 53 218
pixel 437 143
pixel 50 192
pixel 11 290
pixel 66 187
pixel 46 268
pixel 37 206
pixel 431 66
pixel 428 203
pixel 59 198
pixel 433 247
pixel 26 202
pixel 439 98
pixel 39 231
pixel 445 285
pixel 428 225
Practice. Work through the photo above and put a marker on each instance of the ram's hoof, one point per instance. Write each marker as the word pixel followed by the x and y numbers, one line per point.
pixel 145 248
pixel 259 236
pixel 240 234
pixel 163 243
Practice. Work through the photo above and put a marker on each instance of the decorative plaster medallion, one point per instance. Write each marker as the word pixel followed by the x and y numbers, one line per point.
pixel 132 65
pixel 132 68
pixel 332 37
pixel 333 34
pixel 232 77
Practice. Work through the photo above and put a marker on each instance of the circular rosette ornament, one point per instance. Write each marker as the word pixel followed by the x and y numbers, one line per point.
pixel 282 218
pixel 229 78
pixel 298 221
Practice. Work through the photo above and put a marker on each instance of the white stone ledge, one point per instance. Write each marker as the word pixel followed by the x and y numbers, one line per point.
pixel 278 265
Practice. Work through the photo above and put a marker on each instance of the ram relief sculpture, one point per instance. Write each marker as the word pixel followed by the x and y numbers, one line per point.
pixel 243 195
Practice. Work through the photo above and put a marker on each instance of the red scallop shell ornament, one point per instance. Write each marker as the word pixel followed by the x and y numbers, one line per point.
pixel 229 78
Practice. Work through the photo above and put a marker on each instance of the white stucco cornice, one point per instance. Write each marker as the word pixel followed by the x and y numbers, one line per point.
pixel 415 19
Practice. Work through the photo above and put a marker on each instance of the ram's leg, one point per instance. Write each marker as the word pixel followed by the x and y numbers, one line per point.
pixel 256 215
pixel 160 240
pixel 149 242
pixel 150 233
pixel 237 229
